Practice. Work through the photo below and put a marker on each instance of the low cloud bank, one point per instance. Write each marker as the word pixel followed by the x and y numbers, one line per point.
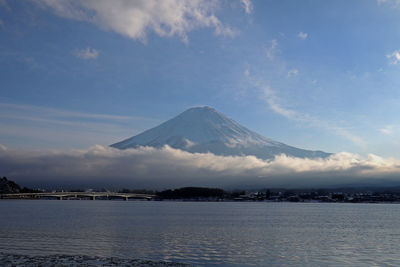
pixel 148 167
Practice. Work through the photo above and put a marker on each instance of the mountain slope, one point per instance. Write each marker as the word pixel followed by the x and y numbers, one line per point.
pixel 203 129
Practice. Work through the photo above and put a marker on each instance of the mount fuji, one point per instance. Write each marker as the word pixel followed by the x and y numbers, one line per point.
pixel 203 129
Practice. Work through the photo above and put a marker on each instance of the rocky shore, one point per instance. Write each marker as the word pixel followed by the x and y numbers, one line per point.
pixel 68 260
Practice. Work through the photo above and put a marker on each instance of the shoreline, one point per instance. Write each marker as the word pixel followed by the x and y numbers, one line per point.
pixel 13 259
pixel 211 201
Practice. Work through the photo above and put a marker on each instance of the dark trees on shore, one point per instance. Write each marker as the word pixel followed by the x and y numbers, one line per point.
pixel 9 187
pixel 191 192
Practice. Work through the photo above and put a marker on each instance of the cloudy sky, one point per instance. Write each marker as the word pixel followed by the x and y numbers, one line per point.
pixel 312 74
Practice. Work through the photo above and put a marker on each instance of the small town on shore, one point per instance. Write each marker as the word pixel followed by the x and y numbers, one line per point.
pixel 11 190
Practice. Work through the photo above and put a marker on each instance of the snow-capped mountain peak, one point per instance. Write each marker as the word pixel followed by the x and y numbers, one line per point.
pixel 203 129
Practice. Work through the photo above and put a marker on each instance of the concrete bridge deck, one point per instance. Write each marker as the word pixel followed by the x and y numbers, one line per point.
pixel 77 195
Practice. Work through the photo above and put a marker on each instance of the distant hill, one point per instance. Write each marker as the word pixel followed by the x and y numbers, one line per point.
pixel 203 129
pixel 8 187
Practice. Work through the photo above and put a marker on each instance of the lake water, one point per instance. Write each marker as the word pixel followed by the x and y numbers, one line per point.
pixel 206 233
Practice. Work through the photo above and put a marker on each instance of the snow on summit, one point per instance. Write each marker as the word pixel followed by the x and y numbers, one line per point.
pixel 203 129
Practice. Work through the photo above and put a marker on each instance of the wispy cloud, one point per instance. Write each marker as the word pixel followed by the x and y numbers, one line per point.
pixel 282 107
pixel 394 58
pixel 272 49
pixel 292 72
pixel 247 5
pixel 394 3
pixel 87 53
pixel 167 167
pixel 344 133
pixel 302 35
pixel 135 19
pixel 5 5
pixel 269 96
pixel 30 109
pixel 63 128
pixel 246 72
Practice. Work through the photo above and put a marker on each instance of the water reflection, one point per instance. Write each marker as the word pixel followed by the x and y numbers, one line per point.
pixel 204 233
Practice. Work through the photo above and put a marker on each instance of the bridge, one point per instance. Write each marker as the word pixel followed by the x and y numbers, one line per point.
pixel 77 195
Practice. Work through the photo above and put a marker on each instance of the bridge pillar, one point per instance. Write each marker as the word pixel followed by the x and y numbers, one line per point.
pixel 126 198
pixel 60 198
pixel 93 197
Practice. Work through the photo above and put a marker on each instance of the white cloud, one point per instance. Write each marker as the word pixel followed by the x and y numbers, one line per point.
pixel 302 35
pixel 135 19
pixel 394 57
pixel 293 72
pixel 167 167
pixel 246 72
pixel 388 130
pixel 272 49
pixel 88 53
pixel 247 5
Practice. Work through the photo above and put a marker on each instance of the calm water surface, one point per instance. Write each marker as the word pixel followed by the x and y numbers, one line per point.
pixel 206 233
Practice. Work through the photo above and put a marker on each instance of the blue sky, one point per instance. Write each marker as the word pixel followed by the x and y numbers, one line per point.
pixel 313 74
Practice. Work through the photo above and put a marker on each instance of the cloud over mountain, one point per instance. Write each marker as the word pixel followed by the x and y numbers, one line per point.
pixel 147 167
